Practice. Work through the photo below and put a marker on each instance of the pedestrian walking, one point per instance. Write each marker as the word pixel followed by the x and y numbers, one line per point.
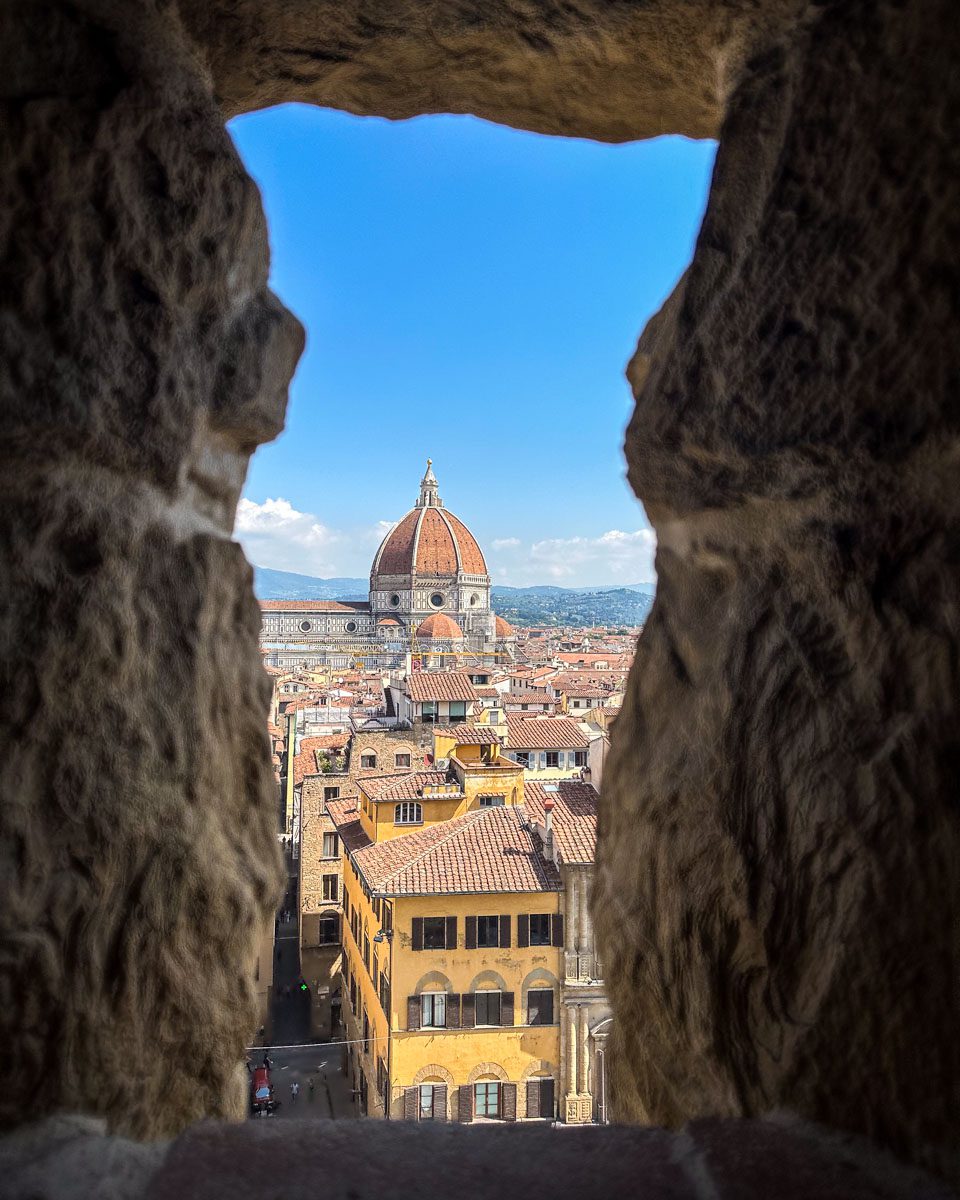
pixel 310 1090
pixel 294 1092
pixel 267 1061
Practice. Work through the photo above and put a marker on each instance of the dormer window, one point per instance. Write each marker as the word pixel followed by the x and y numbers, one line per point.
pixel 408 813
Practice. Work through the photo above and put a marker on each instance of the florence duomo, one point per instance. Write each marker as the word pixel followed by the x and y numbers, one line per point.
pixel 429 598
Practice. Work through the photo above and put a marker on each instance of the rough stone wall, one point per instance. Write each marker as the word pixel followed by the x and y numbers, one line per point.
pixel 778 895
pixel 142 358
pixel 587 68
pixel 777 887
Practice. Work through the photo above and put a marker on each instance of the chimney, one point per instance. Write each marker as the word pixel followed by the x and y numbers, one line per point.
pixel 548 847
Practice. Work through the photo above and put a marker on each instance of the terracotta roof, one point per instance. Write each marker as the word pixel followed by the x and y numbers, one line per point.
pixel 544 733
pixel 574 816
pixel 439 625
pixel 305 762
pixel 487 693
pixel 487 850
pixel 502 628
pixel 470 735
pixel 429 541
pixel 440 685
pixel 310 606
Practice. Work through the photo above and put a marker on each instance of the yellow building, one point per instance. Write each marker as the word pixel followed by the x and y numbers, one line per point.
pixel 453 943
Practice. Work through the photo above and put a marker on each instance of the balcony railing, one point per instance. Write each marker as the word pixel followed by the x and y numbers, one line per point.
pixel 582 967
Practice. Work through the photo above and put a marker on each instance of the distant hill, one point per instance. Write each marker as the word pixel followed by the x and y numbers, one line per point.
pixel 542 604
pixel 286 585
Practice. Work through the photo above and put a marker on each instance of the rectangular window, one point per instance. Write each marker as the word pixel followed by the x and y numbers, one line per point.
pixel 434 933
pixel 426 1102
pixel 553 758
pixel 366 951
pixel 488 932
pixel 540 1006
pixel 486 1099
pixel 401 760
pixel 384 993
pixel 329 931
pixel 433 1010
pixel 579 758
pixel 330 888
pixel 458 710
pixel 408 812
pixel 368 762
pixel 353 994
pixel 491 801
pixel 331 793
pixel 488 1008
pixel 428 712
pixel 523 758
pixel 329 845
pixel 539 929
pixel 366 1033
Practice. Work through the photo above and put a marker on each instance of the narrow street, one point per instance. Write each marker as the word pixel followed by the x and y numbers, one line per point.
pixel 318 1067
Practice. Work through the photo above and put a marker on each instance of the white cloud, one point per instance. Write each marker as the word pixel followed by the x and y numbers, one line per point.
pixel 616 556
pixel 275 534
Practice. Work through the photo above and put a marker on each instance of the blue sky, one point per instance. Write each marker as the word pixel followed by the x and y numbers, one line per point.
pixel 471 293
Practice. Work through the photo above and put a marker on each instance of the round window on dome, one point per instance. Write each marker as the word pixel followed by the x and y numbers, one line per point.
pixel 305 626
pixel 437 599
pixel 395 600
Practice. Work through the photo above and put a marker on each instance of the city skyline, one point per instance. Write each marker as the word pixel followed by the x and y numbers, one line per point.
pixel 462 287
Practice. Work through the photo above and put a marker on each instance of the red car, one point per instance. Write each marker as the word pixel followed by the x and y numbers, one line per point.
pixel 262 1103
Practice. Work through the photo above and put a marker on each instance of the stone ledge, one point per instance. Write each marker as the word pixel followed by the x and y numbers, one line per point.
pixel 778 1158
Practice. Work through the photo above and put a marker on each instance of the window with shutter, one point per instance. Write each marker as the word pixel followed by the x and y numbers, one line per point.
pixel 434 933
pixel 453 1011
pixel 533 1098
pixel 488 932
pixel 546 1098
pixel 451 933
pixel 486 1099
pixel 433 1010
pixel 508 1101
pixel 505 931
pixel 411 1102
pixel 468 1010
pixel 540 1006
pixel 439 1101
pixel 523 930
pixel 465 1103
pixel 417 933
pixel 506 1009
pixel 427 1101
pixel 413 1012
pixel 557 927
pixel 488 1007
pixel 470 932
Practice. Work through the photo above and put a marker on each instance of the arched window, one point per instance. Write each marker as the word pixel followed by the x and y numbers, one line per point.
pixel 408 813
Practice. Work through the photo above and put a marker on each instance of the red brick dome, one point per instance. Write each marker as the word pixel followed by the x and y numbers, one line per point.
pixel 439 625
pixel 429 541
pixel 503 629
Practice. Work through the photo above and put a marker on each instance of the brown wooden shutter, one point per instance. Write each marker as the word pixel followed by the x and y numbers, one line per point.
pixel 468 1010
pixel 556 923
pixel 440 1101
pixel 453 1010
pixel 508 1101
pixel 533 1097
pixel 451 933
pixel 465 1103
pixel 470 933
pixel 413 1012
pixel 411 1104
pixel 506 1011
pixel 546 1098
pixel 417 937
pixel 523 929
pixel 505 931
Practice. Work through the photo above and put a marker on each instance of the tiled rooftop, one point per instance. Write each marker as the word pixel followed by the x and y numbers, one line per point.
pixel 440 685
pixel 574 816
pixel 544 733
